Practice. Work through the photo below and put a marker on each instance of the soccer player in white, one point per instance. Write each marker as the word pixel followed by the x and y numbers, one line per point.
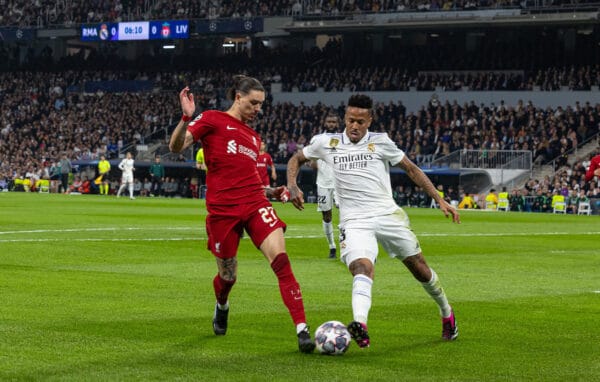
pixel 126 166
pixel 368 214
pixel 326 187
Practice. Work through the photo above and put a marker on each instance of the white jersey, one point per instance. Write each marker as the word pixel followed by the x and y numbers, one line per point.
pixel 325 177
pixel 126 166
pixel 361 172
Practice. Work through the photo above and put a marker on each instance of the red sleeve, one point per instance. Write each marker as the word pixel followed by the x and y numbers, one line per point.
pixel 198 127
pixel 595 164
pixel 269 160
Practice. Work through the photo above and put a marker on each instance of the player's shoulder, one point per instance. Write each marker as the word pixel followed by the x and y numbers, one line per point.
pixel 377 137
pixel 207 116
pixel 326 139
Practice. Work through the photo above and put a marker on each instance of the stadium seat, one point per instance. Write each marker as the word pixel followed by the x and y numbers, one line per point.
pixel 44 186
pixel 584 208
pixel 503 204
pixel 559 208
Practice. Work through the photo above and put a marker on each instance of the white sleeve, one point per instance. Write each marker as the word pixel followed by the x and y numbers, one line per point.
pixel 393 154
pixel 311 151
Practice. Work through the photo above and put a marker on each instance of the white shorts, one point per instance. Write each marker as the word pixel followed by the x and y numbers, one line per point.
pixel 325 199
pixel 360 238
pixel 127 178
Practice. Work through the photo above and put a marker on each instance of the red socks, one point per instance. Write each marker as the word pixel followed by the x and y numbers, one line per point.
pixel 289 288
pixel 222 288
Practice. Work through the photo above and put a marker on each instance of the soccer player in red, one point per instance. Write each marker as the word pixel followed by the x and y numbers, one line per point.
pixel 263 161
pixel 594 169
pixel 236 199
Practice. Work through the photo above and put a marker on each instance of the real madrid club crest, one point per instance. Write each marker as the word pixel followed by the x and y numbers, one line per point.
pixel 333 142
pixel 103 32
pixel 371 147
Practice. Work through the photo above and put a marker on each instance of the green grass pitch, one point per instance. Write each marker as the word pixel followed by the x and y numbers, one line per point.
pixel 99 288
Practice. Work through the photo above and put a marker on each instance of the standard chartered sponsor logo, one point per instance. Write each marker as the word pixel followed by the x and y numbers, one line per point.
pixel 232 147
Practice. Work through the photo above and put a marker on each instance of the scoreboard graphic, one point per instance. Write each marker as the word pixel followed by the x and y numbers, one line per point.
pixel 136 30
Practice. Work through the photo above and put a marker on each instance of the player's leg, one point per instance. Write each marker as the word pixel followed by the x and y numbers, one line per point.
pixel 325 205
pixel 399 241
pixel 130 187
pixel 122 187
pixel 223 242
pixel 359 252
pixel 433 286
pixel 266 231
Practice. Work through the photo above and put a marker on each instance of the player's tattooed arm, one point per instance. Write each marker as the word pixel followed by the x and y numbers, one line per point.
pixel 293 167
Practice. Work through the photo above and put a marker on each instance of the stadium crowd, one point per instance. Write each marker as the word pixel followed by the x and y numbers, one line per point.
pixel 72 12
pixel 40 119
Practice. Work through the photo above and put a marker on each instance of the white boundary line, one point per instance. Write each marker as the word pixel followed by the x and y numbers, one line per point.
pixel 200 238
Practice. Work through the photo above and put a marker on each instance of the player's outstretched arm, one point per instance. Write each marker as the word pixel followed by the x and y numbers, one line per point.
pixel 181 138
pixel 420 179
pixel 280 193
pixel 293 166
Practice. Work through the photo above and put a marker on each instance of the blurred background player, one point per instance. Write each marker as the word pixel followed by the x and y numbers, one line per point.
pixel 127 166
pixel 369 216
pixel 200 162
pixel 236 199
pixel 263 162
pixel 157 176
pixel 326 187
pixel 102 179
pixel 594 169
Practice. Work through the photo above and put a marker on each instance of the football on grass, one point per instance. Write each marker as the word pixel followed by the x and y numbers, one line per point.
pixel 332 338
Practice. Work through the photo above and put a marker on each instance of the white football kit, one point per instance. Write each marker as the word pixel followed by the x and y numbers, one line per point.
pixel 325 186
pixel 368 212
pixel 126 166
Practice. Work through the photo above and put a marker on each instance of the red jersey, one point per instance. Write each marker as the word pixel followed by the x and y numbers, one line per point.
pixel 594 165
pixel 264 160
pixel 230 152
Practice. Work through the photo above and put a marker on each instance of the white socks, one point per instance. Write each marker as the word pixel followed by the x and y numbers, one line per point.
pixel 361 297
pixel 328 229
pixel 435 290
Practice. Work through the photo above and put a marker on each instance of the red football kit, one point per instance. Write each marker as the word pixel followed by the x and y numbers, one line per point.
pixel 262 163
pixel 594 165
pixel 235 195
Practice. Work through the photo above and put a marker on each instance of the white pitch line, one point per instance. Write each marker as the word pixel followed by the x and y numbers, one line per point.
pixel 200 238
pixel 456 234
pixel 100 229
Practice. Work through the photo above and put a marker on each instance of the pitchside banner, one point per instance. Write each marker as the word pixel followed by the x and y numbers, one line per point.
pixel 241 26
pixel 16 34
pixel 136 30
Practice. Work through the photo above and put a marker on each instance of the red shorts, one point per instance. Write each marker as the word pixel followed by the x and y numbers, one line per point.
pixel 225 226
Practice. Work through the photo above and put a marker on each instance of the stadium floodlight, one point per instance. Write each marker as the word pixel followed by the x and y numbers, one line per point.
pixel 169 46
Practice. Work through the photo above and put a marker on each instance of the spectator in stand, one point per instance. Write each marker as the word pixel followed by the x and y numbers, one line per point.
pixel 66 168
pixel 516 201
pixel 157 175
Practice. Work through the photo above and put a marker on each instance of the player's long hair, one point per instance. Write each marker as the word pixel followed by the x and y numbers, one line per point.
pixel 361 101
pixel 243 84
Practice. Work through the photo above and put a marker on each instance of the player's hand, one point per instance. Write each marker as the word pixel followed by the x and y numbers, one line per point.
pixel 186 98
pixel 597 172
pixel 281 193
pixel 448 210
pixel 297 197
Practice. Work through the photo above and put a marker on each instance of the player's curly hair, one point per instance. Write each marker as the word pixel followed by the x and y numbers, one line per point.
pixel 361 101
pixel 243 84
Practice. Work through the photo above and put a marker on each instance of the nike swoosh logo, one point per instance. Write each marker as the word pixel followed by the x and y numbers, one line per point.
pixel 231 128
